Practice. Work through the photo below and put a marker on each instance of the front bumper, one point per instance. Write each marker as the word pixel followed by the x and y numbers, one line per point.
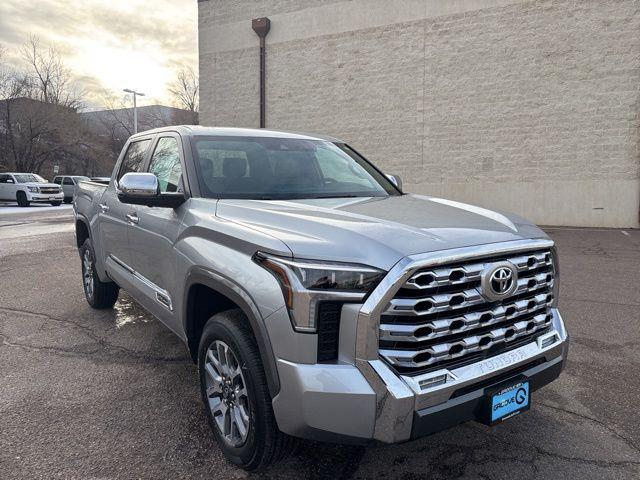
pixel 360 398
pixel 470 405
pixel 348 404
pixel 45 197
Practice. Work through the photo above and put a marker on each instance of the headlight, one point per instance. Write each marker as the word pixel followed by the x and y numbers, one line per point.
pixel 305 283
pixel 33 189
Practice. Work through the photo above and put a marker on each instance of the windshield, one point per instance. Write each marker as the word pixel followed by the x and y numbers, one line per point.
pixel 268 168
pixel 39 178
pixel 81 178
pixel 26 178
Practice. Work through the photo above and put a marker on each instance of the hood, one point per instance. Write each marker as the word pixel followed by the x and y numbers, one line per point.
pixel 375 231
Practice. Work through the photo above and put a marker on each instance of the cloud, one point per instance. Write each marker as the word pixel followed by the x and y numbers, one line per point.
pixel 108 45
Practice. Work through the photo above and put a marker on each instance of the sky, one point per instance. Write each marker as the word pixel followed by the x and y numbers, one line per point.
pixel 108 45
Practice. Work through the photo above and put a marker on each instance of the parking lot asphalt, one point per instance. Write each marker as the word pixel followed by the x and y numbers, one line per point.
pixel 113 394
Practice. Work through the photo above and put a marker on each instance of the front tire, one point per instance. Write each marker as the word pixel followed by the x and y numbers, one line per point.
pixel 99 294
pixel 56 204
pixel 21 198
pixel 235 394
pixel 68 199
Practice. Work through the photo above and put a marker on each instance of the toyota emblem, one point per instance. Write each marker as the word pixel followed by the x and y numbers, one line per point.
pixel 499 280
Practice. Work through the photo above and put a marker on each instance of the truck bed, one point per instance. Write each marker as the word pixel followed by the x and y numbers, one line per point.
pixel 88 195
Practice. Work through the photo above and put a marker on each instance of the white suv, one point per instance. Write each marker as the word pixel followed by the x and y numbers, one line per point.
pixel 25 188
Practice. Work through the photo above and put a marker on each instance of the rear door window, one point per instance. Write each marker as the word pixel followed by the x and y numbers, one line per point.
pixel 134 158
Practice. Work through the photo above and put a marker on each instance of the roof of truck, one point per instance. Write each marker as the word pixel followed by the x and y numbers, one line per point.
pixel 199 130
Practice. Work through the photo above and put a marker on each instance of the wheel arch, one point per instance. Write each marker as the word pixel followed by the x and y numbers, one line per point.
pixel 82 231
pixel 207 293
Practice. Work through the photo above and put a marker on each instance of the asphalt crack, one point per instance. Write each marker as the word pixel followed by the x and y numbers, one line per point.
pixel 626 440
pixel 587 461
pixel 104 349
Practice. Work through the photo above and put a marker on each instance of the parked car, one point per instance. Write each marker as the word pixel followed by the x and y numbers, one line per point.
pixel 26 188
pixel 69 183
pixel 316 298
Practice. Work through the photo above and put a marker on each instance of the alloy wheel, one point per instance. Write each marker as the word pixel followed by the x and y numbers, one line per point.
pixel 87 273
pixel 226 391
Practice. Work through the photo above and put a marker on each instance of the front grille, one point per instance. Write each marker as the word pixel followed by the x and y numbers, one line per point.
pixel 49 190
pixel 439 317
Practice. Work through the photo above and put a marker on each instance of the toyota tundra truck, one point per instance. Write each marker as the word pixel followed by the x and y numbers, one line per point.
pixel 317 299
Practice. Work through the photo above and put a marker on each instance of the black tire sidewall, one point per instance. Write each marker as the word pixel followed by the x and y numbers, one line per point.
pixel 217 330
pixel 21 198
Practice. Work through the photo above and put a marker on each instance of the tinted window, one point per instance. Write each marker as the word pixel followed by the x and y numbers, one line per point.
pixel 285 168
pixel 4 178
pixel 57 180
pixel 165 164
pixel 132 161
pixel 67 181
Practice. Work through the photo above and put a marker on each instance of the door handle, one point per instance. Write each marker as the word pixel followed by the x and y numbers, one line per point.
pixel 104 207
pixel 132 217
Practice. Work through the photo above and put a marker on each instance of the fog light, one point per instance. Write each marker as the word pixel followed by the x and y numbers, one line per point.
pixel 433 381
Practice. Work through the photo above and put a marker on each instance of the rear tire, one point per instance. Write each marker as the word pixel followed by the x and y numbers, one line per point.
pixel 56 204
pixel 99 294
pixel 68 199
pixel 21 198
pixel 246 392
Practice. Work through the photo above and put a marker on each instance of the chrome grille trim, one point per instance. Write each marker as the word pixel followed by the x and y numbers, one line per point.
pixel 441 276
pixel 440 328
pixel 439 316
pixel 442 302
pixel 467 345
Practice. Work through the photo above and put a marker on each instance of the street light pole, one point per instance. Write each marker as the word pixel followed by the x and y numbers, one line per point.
pixel 135 107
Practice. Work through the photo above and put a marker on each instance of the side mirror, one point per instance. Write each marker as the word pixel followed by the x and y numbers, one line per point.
pixel 10 180
pixel 143 189
pixel 396 180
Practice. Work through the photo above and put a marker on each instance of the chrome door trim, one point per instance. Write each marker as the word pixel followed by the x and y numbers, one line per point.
pixel 161 295
pixel 132 218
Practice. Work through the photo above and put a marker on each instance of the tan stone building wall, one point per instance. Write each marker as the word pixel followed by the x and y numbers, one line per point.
pixel 526 106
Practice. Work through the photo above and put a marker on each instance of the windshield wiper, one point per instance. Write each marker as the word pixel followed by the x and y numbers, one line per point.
pixel 346 195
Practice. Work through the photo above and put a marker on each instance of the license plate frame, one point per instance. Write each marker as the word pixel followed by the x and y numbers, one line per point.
pixel 508 400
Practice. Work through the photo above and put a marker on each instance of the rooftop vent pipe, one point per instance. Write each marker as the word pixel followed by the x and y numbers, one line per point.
pixel 262 26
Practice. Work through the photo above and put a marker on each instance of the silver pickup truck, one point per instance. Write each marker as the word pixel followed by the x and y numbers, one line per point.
pixel 317 299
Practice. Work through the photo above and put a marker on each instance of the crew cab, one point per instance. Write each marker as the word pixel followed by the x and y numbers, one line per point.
pixel 27 188
pixel 317 298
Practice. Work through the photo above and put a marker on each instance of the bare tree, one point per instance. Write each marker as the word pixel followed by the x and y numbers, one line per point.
pixel 39 123
pixel 185 89
pixel 51 79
